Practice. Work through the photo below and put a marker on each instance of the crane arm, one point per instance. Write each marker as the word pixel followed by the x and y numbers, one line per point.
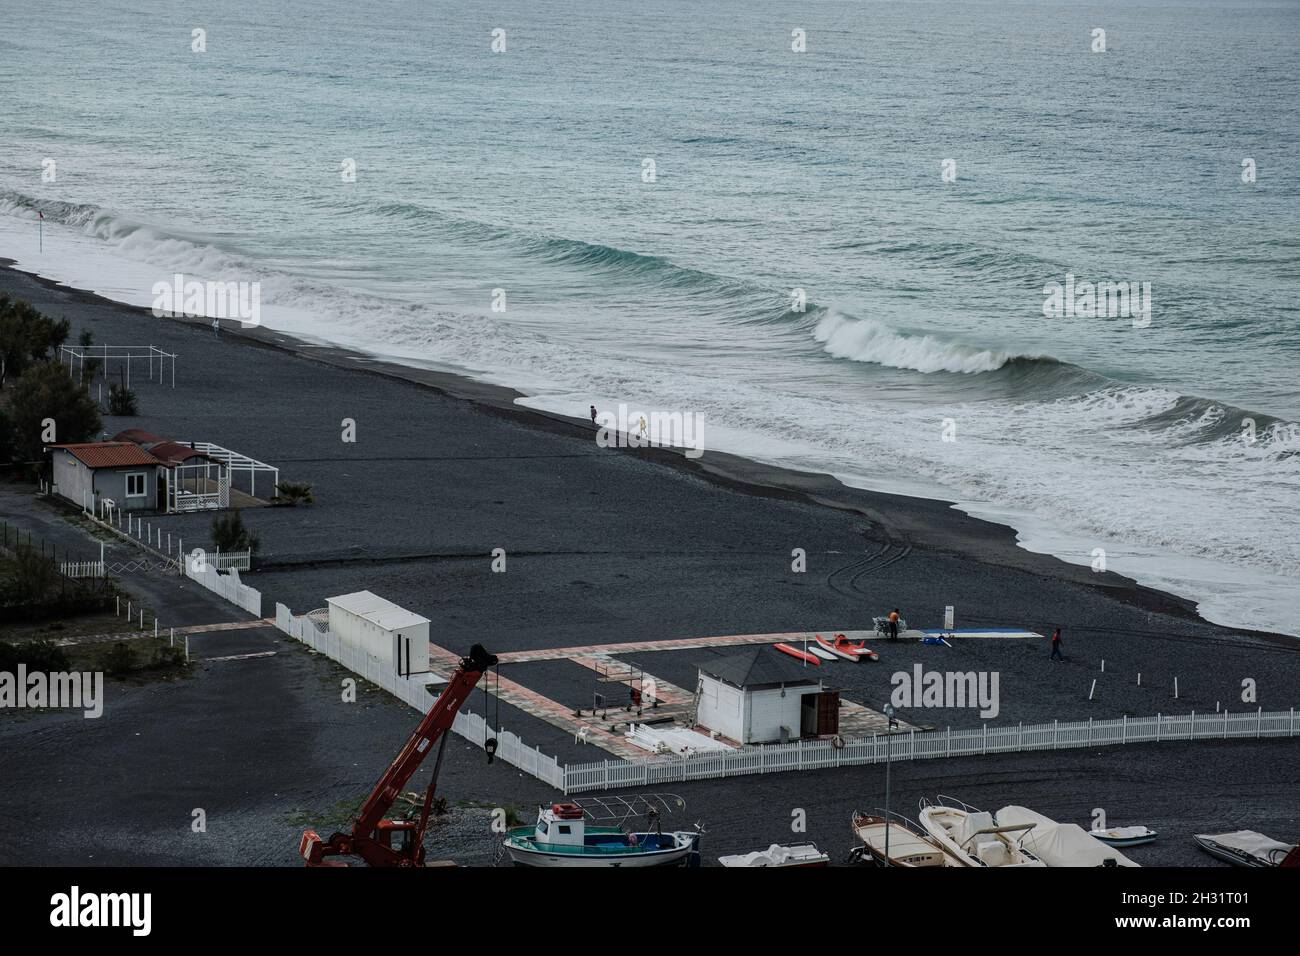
pixel 371 835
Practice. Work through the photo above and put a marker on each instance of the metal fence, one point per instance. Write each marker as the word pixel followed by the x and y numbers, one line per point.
pixel 468 725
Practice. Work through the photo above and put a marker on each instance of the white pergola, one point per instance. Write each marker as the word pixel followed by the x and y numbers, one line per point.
pixel 77 355
pixel 236 463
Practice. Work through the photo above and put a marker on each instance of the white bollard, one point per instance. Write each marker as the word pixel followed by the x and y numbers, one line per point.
pixel 171 639
pixel 1175 688
pixel 187 648
pixel 1094 688
pixel 1139 678
pixel 1103 665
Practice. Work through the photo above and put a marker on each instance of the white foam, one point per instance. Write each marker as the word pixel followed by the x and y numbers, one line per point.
pixel 866 340
pixel 1214 521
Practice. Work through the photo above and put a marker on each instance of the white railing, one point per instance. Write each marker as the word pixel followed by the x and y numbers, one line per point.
pixel 817 754
pixel 468 725
pixel 231 560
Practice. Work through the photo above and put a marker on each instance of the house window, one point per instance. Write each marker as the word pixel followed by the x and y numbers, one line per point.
pixel 135 484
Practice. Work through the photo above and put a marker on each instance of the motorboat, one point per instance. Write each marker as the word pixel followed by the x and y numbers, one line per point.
pixel 801 655
pixel 892 840
pixel 975 837
pixel 1248 848
pixel 1061 844
pixel 846 649
pixel 778 856
pixel 562 837
pixel 1124 836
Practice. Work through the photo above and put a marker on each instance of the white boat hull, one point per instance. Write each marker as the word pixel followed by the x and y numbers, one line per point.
pixel 525 857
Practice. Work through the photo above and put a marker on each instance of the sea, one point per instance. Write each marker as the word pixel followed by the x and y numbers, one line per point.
pixel 841 234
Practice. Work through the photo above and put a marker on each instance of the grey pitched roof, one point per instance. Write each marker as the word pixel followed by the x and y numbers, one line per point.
pixel 758 666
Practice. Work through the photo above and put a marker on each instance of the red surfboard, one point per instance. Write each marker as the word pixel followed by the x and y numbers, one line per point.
pixel 795 652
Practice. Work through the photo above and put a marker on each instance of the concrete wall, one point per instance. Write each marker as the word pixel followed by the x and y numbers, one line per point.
pixel 111 483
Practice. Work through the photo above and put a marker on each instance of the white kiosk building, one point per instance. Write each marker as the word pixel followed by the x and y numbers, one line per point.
pixel 759 696
pixel 392 635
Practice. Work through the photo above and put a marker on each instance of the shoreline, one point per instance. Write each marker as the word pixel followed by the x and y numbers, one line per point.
pixel 904 520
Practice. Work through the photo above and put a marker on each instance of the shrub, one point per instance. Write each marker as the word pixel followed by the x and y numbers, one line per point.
pixel 295 492
pixel 121 401
pixel 37 655
pixel 229 533
pixel 119 661
pixel 34 576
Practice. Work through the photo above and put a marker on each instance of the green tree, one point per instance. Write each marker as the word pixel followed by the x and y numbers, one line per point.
pixel 229 534
pixel 26 337
pixel 48 391
pixel 121 401
pixel 90 366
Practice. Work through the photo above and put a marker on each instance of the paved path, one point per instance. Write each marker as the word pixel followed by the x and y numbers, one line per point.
pixel 683 644
pixel 554 713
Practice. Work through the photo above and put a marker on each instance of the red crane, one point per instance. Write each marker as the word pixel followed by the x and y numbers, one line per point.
pixel 376 839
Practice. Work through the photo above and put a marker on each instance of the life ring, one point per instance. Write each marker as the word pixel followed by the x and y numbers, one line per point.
pixel 837 742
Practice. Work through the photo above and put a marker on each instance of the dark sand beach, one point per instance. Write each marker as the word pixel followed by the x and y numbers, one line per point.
pixel 607 546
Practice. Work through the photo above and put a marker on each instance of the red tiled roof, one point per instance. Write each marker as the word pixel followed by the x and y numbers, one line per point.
pixel 108 454
pixel 137 435
pixel 171 452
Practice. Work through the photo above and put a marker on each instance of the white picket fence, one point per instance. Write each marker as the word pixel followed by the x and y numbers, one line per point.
pixel 468 725
pixel 201 569
pixel 820 754
pixel 81 569
pixel 231 560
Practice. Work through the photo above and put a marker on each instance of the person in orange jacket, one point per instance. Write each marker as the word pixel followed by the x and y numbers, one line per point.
pixel 893 624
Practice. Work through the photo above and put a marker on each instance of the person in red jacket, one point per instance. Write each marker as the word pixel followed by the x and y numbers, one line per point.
pixel 1056 645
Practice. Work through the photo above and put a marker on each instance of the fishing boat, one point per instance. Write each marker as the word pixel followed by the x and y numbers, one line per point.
pixel 1124 836
pixel 975 837
pixel 892 840
pixel 562 836
pixel 801 655
pixel 846 649
pixel 1061 844
pixel 778 856
pixel 1248 848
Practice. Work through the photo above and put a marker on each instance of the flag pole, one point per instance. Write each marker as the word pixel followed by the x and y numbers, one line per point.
pixel 41 230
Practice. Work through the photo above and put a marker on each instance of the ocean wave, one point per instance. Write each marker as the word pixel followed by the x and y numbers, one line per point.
pixel 867 340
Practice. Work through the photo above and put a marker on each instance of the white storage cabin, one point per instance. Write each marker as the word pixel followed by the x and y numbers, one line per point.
pixel 759 696
pixel 393 635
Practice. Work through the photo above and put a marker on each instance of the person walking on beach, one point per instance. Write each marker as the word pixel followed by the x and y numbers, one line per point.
pixel 593 414
pixel 893 624
pixel 1056 645
pixel 216 327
